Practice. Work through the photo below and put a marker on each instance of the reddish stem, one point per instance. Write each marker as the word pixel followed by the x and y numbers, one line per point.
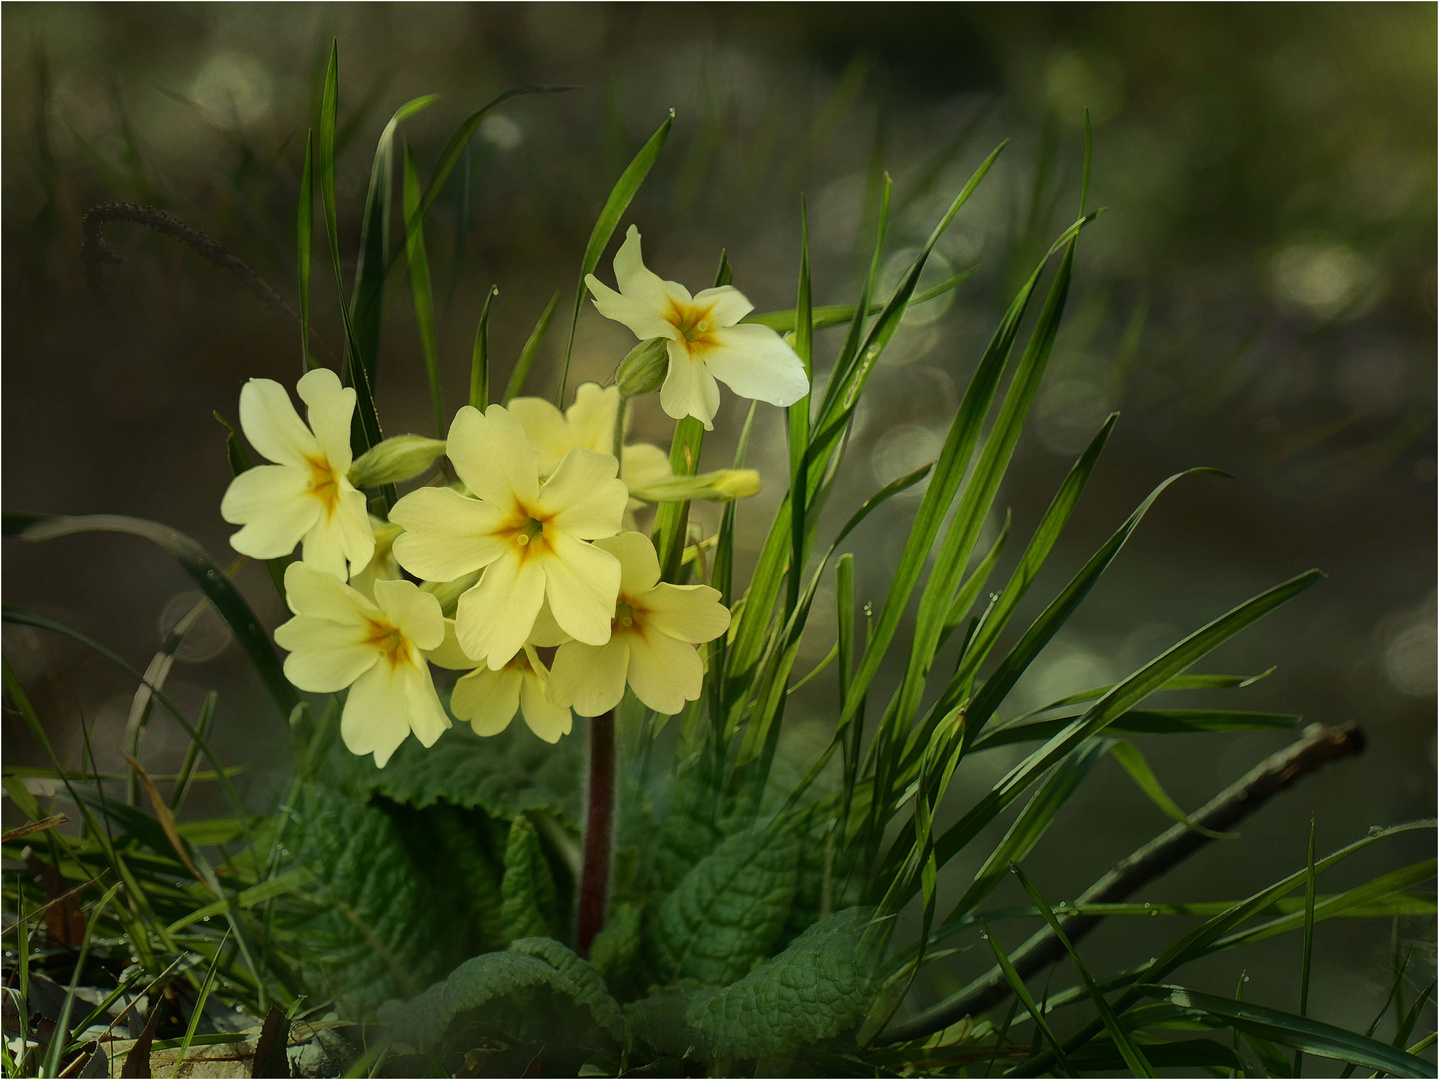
pixel 599 825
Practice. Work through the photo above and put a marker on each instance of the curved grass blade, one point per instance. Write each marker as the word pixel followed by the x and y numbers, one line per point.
pixel 1033 822
pixel 830 315
pixel 1133 1057
pixel 155 675
pixel 1305 966
pixel 1114 704
pixel 367 303
pixel 455 149
pixel 367 431
pixel 1133 762
pixel 1286 1029
pixel 480 358
pixel 420 290
pixel 304 245
pixel 530 350
pixel 1021 992
pixel 1146 722
pixel 609 219
pixel 1002 680
pixel 195 562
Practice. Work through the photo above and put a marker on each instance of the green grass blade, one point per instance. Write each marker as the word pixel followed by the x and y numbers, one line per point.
pixel 1133 762
pixel 1002 680
pixel 199 1010
pixel 979 494
pixel 1133 1057
pixel 1021 992
pixel 829 315
pixel 1056 517
pixel 1032 823
pixel 1147 722
pixel 420 290
pixel 196 563
pixel 367 303
pixel 59 1041
pixel 530 350
pixel 454 150
pixel 798 417
pixel 480 358
pixel 949 471
pixel 304 244
pixel 1306 963
pixel 367 431
pixel 1286 1029
pixel 1406 1027
pixel 1118 701
pixel 672 518
pixel 974 584
pixel 183 779
pixel 609 219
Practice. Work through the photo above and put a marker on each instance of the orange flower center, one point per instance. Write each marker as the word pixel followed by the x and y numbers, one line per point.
pixel 693 322
pixel 324 484
pixel 390 642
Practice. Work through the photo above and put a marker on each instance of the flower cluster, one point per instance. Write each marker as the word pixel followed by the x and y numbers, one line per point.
pixel 532 578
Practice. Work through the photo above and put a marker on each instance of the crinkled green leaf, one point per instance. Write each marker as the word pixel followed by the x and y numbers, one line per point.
pixel 615 952
pixel 530 903
pixel 503 775
pixel 729 909
pixel 818 987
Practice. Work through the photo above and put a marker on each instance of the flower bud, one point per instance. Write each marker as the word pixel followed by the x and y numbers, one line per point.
pixel 724 485
pixel 395 459
pixel 644 368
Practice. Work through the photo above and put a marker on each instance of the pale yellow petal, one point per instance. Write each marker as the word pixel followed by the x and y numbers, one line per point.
pixel 446 534
pixel 487 699
pixel 690 613
pixel 643 463
pixel 411 611
pixel 664 673
pixel 340 542
pixel 754 362
pixel 331 410
pixel 688 390
pixel 726 303
pixel 495 617
pixel 581 584
pixel 427 716
pixel 313 592
pixel 546 428
pixel 645 320
pixel 377 713
pixel 325 656
pixel 591 419
pixel 276 506
pixel 493 457
pixel 449 654
pixel 584 498
pixel 547 633
pixel 546 719
pixel 590 679
pixel 273 426
pixel 639 565
pixel 637 281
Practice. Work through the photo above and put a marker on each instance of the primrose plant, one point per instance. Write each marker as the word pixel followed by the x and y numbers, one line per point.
pixel 624 891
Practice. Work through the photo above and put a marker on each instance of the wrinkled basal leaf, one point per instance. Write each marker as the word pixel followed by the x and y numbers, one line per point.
pixel 729 909
pixel 817 988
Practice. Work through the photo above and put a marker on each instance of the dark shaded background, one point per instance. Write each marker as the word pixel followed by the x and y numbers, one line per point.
pixel 1260 297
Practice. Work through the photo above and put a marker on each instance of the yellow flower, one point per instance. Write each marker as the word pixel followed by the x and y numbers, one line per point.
pixel 656 627
pixel 590 423
pixel 338 639
pixel 704 337
pixel 305 496
pixel 382 565
pixel 488 699
pixel 531 538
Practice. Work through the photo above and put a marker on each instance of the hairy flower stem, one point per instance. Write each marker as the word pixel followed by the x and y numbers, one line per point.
pixel 599 829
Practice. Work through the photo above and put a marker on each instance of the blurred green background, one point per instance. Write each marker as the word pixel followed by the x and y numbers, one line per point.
pixel 1260 297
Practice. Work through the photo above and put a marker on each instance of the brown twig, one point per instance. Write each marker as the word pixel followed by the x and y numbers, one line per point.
pixel 95 253
pixel 34 827
pixel 1274 774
